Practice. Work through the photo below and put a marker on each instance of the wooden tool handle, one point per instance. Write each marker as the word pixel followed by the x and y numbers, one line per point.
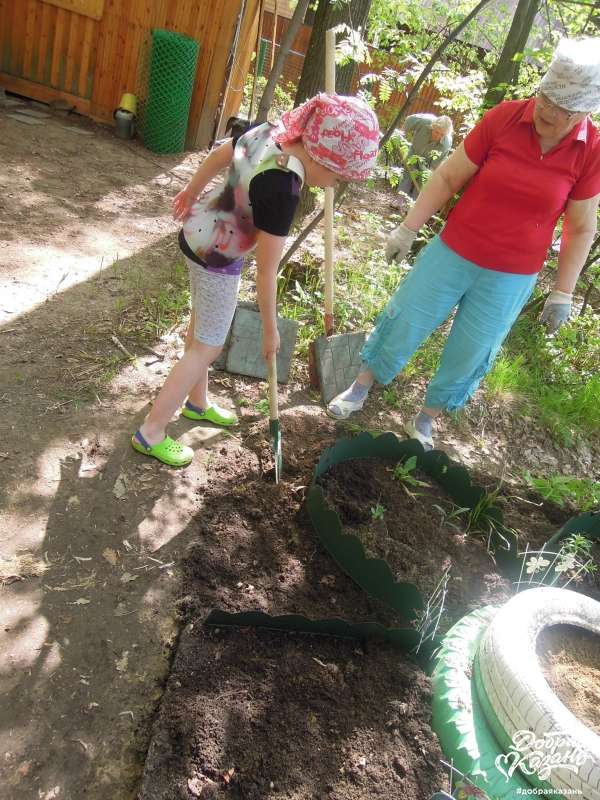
pixel 329 193
pixel 273 401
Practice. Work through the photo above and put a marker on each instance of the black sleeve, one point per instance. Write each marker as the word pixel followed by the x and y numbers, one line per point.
pixel 274 196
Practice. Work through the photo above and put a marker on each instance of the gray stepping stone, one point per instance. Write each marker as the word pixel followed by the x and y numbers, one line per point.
pixel 338 361
pixel 25 119
pixel 244 355
pixel 80 131
pixel 32 112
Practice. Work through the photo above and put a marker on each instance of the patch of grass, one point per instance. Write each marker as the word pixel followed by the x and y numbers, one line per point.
pixel 391 397
pixel 557 378
pixel 167 308
pixel 363 285
pixel 506 378
pixel 262 406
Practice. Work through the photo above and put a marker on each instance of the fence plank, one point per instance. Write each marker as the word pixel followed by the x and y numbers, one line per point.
pixel 57 43
pixel 84 82
pixel 87 8
pixel 46 15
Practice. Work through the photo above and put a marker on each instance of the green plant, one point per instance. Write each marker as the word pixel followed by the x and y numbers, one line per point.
pixel 576 556
pixel 455 512
pixel 378 511
pixel 582 493
pixel 402 473
pixel 572 562
pixel 390 397
pixel 262 406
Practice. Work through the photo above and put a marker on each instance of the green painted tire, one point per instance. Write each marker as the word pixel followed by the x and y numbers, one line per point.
pixel 457 716
pixel 517 699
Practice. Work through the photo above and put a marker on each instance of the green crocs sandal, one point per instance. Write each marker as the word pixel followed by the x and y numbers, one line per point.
pixel 214 414
pixel 168 451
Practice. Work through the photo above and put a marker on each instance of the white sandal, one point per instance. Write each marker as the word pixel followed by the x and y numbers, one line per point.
pixel 341 409
pixel 413 433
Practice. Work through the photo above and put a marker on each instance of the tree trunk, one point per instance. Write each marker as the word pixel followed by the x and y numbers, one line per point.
pixel 507 69
pixel 277 69
pixel 312 81
pixel 339 195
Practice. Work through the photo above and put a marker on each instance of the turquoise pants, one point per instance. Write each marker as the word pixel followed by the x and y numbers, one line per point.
pixel 487 304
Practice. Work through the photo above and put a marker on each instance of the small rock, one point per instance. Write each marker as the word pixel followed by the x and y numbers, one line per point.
pixel 194 786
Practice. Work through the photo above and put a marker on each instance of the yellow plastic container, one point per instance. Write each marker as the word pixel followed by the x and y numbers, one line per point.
pixel 128 103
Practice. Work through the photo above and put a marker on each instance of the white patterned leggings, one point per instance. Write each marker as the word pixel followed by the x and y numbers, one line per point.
pixel 214 298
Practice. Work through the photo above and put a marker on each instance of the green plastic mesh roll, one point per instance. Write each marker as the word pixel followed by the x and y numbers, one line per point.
pixel 170 85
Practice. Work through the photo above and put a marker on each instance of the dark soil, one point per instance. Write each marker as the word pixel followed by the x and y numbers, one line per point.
pixel 252 714
pixel 416 536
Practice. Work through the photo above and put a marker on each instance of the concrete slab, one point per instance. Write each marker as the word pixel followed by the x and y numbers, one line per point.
pixel 32 112
pixel 338 361
pixel 244 347
pixel 25 119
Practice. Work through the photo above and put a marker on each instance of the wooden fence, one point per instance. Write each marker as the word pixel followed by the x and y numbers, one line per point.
pixel 89 52
pixel 425 101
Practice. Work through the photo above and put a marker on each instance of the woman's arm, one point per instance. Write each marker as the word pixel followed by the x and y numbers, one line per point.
pixel 444 183
pixel 269 249
pixel 579 230
pixel 215 161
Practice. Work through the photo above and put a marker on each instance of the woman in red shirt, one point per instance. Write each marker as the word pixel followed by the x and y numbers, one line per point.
pixel 526 163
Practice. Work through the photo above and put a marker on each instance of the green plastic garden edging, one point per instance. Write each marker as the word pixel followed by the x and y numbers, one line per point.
pixel 374 576
pixel 457 715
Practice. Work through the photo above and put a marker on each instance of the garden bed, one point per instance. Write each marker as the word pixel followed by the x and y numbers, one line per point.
pixel 254 714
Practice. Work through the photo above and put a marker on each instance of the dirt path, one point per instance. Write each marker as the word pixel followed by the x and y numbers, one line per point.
pixel 91 536
pixel 86 638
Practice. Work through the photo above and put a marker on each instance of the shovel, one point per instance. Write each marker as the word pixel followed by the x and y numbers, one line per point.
pixel 274 430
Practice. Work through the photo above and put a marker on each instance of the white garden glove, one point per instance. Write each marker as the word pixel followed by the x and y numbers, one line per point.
pixel 399 243
pixel 557 309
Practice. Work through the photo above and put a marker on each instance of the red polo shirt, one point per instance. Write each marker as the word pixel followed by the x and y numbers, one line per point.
pixel 506 216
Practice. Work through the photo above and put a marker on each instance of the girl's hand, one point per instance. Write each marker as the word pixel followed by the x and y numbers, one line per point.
pixel 182 203
pixel 271 344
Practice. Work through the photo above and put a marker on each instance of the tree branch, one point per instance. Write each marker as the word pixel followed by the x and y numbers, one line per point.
pixel 341 191
pixel 428 68
pixel 277 69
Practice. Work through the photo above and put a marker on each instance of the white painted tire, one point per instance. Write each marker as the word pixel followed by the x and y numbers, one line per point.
pixel 519 696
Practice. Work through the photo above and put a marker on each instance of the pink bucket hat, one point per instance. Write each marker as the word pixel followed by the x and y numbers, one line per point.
pixel 340 133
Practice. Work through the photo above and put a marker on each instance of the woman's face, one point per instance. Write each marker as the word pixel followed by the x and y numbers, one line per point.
pixel 552 121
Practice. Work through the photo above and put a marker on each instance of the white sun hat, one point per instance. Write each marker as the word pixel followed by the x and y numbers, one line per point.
pixel 573 78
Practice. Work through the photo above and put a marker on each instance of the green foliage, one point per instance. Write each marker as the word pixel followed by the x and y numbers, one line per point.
pixel 378 511
pixel 390 397
pixel 583 494
pixel 364 282
pixel 572 562
pixel 283 97
pixel 557 379
pixel 262 406
pixel 403 473
pixel 169 305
